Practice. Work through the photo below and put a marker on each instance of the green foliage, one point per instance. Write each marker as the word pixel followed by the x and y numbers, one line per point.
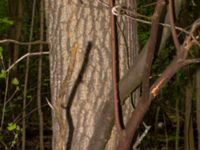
pixel 10 132
pixel 144 34
pixel 6 21
pixel 15 129
pixel 1 52
pixel 12 126
pixel 5 24
pixel 2 74
pixel 15 81
pixel 3 8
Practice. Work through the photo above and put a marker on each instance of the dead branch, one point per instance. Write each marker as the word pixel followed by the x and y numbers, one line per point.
pixel 24 56
pixel 23 43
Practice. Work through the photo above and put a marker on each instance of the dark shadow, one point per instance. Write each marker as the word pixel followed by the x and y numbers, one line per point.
pixel 118 75
pixel 72 94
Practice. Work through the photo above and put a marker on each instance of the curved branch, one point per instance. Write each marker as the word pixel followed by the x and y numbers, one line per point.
pixel 171 18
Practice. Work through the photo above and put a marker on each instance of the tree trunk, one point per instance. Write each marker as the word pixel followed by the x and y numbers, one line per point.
pixel 86 25
pixel 188 127
pixel 198 105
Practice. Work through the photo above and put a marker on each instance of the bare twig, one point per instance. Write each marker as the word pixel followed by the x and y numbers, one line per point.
pixel 192 61
pixel 13 94
pixel 26 79
pixel 19 118
pixel 171 18
pixel 24 56
pixel 139 140
pixel 4 102
pixel 136 18
pixel 23 43
pixel 50 105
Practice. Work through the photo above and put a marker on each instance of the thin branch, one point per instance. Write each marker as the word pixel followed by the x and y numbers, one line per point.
pixel 151 48
pixel 23 43
pixel 24 56
pixel 50 105
pixel 150 4
pixel 192 61
pixel 135 18
pixel 114 68
pixel 171 18
pixel 132 17
pixel 4 102
pixel 18 119
pixel 26 78
pixel 190 40
pixel 39 83
pixel 139 140
pixel 11 97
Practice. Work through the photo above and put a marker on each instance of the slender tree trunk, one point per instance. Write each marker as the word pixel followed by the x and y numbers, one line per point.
pixel 198 104
pixel 188 128
pixel 26 79
pixel 39 83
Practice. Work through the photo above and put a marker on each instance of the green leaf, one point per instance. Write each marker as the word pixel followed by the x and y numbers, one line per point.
pixel 1 52
pixel 2 74
pixel 6 21
pixel 29 97
pixel 15 81
pixel 11 126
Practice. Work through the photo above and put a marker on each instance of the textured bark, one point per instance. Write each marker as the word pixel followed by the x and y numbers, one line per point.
pixel 75 22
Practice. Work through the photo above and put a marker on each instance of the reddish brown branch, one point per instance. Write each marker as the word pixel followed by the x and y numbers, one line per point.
pixel 151 48
pixel 171 19
pixel 165 76
pixel 114 68
pixel 129 83
pixel 145 101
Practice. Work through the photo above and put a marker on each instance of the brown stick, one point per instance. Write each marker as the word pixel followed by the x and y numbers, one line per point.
pixel 174 34
pixel 114 68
